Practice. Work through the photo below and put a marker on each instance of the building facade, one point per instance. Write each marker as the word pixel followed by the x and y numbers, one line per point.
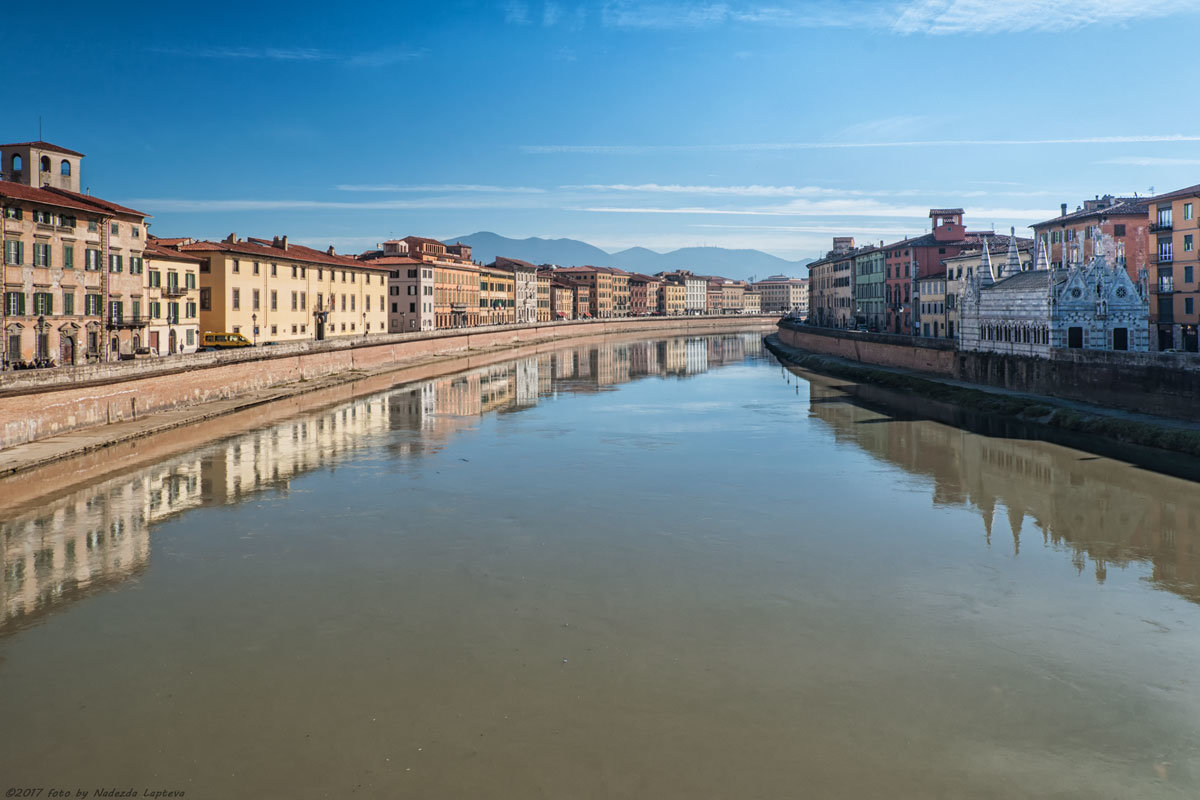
pixel 1174 232
pixel 269 290
pixel 172 300
pixel 1093 305
pixel 73 264
pixel 672 299
pixel 782 294
pixel 599 283
pixel 870 309
pixel 525 288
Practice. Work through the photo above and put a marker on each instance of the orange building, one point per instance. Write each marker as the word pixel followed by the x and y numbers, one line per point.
pixel 456 281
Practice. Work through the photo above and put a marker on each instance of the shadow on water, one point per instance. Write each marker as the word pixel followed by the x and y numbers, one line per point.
pixel 1103 502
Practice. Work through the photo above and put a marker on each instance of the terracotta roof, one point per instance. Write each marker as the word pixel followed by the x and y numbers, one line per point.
pixel 1190 190
pixel 294 252
pixel 62 199
pixel 154 249
pixel 392 260
pixel 516 261
pixel 43 146
pixel 1123 207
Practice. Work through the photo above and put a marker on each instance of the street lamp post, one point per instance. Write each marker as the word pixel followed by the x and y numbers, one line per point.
pixel 254 324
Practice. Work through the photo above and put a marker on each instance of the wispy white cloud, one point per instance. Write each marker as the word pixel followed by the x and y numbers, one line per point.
pixel 648 149
pixel 906 17
pixel 551 12
pixel 366 58
pixel 278 204
pixel 947 17
pixel 851 207
pixel 756 190
pixel 1151 161
pixel 438 187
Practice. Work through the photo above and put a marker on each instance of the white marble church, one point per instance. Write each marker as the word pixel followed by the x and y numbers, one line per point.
pixel 1093 306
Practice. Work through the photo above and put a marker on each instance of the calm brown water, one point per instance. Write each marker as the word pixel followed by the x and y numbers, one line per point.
pixel 665 569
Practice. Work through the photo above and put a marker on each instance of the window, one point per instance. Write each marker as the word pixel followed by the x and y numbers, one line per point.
pixel 14 252
pixel 190 308
pixel 189 280
pixel 412 307
pixel 343 299
pixel 154 279
pixel 254 306
pixel 295 300
pixel 237 299
pixel 116 229
pixel 17 164
pixel 1164 217
pixel 42 217
pixel 1188 306
pixel 274 270
pixel 136 231
pixel 136 265
pixel 396 307
pixel 41 254
pixel 93 226
pixel 255 267
pixel 274 300
pixel 14 304
pixel 68 256
pixel 91 305
pixel 237 265
pixel 12 213
pixel 293 270
pixel 116 262
pixel 352 298
pixel 45 161
pixel 1187 211
pixel 304 301
pixel 91 260
pixel 1188 245
pixel 1118 230
pixel 65 168
pixel 115 310
pixel 1187 274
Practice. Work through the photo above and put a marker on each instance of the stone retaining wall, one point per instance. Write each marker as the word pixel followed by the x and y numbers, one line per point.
pixel 1164 384
pixel 41 403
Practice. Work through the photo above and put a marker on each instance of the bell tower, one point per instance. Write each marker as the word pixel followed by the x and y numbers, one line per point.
pixel 40 164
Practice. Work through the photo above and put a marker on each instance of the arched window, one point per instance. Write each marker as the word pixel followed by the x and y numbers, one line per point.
pixel 65 168
pixel 45 163
pixel 17 164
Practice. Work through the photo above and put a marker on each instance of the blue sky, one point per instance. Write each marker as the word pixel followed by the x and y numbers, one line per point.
pixel 771 124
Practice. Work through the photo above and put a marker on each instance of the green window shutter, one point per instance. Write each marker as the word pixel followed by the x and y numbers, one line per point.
pixel 68 256
pixel 21 257
pixel 22 303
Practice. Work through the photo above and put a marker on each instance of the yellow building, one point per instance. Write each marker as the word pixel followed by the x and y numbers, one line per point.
pixel 599 282
pixel 672 299
pixel 622 306
pixel 456 281
pixel 497 296
pixel 172 300
pixel 543 296
pixel 269 290
pixel 931 309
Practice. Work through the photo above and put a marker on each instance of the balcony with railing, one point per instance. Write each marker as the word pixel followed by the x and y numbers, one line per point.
pixel 115 321
pixel 1161 225
pixel 1163 256
pixel 173 290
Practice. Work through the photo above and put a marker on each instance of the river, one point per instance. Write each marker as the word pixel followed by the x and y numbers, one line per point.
pixel 644 569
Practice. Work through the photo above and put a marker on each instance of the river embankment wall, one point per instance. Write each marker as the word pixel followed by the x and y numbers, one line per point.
pixel 39 404
pixel 1162 384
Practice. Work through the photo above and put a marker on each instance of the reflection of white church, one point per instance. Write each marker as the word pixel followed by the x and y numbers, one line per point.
pixel 1094 306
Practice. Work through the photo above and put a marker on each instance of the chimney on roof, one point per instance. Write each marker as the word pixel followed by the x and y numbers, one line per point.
pixel 1064 209
pixel 283 239
pixel 231 238
pixel 330 251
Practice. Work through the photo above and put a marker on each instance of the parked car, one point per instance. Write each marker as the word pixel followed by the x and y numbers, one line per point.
pixel 222 341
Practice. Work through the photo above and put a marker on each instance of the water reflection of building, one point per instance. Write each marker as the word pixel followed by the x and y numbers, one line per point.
pixel 1102 512
pixel 100 535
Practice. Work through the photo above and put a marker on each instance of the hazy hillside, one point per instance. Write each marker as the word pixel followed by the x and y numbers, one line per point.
pixel 741 264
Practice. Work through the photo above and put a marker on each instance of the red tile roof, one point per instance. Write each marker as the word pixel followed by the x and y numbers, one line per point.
pixel 155 249
pixel 61 198
pixel 43 146
pixel 294 252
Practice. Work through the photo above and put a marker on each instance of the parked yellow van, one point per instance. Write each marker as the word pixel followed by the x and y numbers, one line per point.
pixel 223 340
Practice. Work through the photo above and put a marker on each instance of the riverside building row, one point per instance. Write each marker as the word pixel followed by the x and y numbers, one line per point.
pixel 84 280
pixel 916 286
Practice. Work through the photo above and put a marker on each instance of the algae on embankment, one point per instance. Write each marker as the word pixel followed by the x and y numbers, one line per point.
pixel 1036 410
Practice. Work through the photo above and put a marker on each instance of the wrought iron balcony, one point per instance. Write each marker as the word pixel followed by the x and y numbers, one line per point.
pixel 173 291
pixel 1160 226
pixel 126 321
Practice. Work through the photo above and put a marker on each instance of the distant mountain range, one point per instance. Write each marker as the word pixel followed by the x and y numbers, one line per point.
pixel 737 264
